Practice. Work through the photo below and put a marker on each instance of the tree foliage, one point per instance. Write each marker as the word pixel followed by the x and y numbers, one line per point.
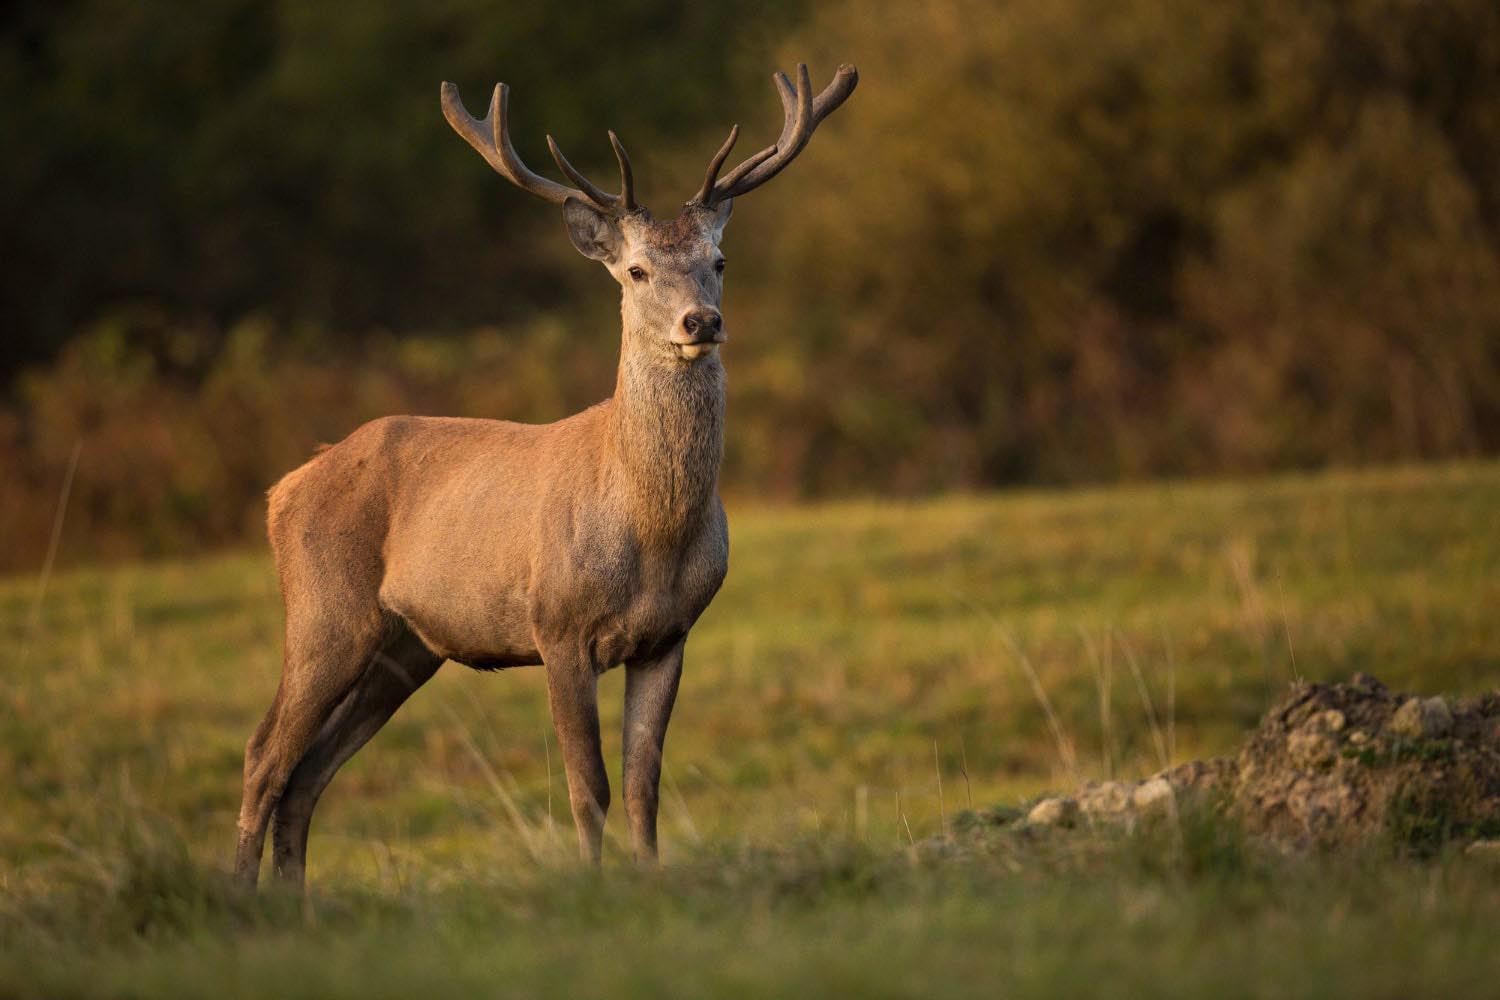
pixel 1078 240
pixel 290 158
pixel 1101 238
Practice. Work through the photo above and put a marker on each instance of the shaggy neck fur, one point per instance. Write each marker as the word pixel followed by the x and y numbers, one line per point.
pixel 668 425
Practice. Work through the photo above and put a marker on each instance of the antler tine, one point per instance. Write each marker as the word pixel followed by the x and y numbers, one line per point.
pixel 733 177
pixel 790 96
pixel 796 106
pixel 627 177
pixel 798 132
pixel 475 132
pixel 595 194
pixel 714 166
pixel 491 137
pixel 802 113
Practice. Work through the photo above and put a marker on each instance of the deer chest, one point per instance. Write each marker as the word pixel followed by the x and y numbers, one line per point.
pixel 625 599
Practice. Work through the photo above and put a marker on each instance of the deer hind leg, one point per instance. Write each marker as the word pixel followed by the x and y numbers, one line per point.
pixel 322 665
pixel 391 676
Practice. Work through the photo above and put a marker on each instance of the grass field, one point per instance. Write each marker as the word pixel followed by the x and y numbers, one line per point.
pixel 868 672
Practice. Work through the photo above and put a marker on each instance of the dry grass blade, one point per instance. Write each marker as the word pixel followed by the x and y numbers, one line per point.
pixel 963 757
pixel 1104 686
pixel 1286 627
pixel 1166 640
pixel 1147 704
pixel 937 766
pixel 497 786
pixel 680 807
pixel 1066 753
pixel 901 816
pixel 35 620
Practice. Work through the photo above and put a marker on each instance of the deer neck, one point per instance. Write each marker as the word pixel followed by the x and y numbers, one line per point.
pixel 668 436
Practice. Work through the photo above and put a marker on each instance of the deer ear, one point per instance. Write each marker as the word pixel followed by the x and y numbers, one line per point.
pixel 721 218
pixel 592 232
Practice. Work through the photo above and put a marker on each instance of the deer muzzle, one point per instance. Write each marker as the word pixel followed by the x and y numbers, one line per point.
pixel 699 331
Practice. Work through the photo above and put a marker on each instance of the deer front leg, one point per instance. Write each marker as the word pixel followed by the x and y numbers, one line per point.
pixel 572 693
pixel 650 690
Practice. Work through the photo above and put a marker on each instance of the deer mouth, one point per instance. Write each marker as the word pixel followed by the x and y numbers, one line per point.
pixel 697 347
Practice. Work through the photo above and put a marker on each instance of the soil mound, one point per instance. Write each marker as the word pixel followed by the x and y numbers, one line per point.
pixel 1335 764
pixel 1332 765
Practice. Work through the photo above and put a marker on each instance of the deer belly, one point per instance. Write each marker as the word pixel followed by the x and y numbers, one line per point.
pixel 482 630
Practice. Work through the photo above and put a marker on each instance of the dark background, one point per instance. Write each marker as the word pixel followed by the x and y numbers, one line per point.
pixel 1061 242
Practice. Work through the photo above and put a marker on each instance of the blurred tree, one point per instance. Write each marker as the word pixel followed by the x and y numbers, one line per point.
pixel 1063 241
pixel 291 158
pixel 1098 238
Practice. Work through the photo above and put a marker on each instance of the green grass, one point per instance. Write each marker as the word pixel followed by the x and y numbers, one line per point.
pixel 866 673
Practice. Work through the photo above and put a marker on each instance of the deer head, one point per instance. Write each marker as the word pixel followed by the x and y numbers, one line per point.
pixel 671 273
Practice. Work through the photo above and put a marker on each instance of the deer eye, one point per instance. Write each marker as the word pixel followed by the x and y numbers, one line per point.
pixel 719 265
pixel 637 273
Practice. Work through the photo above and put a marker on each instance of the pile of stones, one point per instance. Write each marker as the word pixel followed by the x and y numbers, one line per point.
pixel 1331 765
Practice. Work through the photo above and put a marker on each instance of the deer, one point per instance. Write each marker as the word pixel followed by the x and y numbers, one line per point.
pixel 578 546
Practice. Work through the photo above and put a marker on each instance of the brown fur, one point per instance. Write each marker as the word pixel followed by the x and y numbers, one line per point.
pixel 579 545
pixel 590 542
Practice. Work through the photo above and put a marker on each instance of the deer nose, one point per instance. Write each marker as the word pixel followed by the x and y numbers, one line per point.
pixel 701 326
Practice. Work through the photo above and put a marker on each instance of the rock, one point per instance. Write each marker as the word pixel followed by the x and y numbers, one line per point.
pixel 1154 796
pixel 1366 682
pixel 1196 777
pixel 1053 812
pixel 1423 718
pixel 1312 749
pixel 1485 850
pixel 1107 801
pixel 936 848
pixel 1438 717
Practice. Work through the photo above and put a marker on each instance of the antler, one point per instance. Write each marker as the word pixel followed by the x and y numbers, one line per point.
pixel 803 113
pixel 491 137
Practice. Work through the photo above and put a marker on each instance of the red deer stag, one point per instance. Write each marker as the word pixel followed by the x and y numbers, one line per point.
pixel 578 545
